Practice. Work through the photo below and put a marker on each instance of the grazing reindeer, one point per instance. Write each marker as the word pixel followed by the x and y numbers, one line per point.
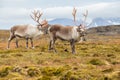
pixel 27 31
pixel 67 33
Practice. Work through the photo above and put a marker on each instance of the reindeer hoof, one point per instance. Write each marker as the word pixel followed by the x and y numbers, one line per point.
pixel 50 49
pixel 8 48
pixel 80 42
pixel 73 52
pixel 33 47
pixel 27 47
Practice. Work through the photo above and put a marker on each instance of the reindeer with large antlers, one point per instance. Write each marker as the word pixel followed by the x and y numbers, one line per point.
pixel 27 31
pixel 82 38
pixel 67 33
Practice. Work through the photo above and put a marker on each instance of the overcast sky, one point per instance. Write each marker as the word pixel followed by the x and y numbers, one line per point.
pixel 14 12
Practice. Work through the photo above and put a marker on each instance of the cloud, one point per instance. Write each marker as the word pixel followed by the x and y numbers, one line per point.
pixel 12 0
pixel 12 16
pixel 58 12
pixel 11 12
pixel 104 10
pixel 107 9
pixel 18 15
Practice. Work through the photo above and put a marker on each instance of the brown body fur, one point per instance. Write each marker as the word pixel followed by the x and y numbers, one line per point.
pixel 67 33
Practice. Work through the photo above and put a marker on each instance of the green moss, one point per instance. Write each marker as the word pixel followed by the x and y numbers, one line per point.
pixel 51 71
pixel 96 62
pixel 111 55
pixel 33 72
pixel 4 72
pixel 70 76
pixel 112 76
pixel 67 76
pixel 108 70
pixel 43 49
pixel 45 78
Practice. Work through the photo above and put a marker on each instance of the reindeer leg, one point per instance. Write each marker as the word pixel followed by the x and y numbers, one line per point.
pixel 50 43
pixel 16 42
pixel 26 42
pixel 72 43
pixel 32 43
pixel 53 45
pixel 9 40
pixel 81 40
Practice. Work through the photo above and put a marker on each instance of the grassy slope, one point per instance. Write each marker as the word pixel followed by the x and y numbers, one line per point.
pixel 96 59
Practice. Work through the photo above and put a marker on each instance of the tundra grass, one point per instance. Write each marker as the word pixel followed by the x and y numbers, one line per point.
pixel 95 59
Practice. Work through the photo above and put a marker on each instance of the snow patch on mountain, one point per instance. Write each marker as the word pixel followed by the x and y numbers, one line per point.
pixel 104 22
pixel 94 23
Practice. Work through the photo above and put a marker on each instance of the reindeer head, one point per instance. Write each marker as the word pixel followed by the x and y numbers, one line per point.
pixel 45 26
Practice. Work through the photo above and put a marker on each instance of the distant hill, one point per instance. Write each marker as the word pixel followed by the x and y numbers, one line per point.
pixel 95 22
pixel 105 30
pixel 104 22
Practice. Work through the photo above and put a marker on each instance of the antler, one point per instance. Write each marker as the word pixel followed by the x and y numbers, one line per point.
pixel 36 15
pixel 85 15
pixel 74 13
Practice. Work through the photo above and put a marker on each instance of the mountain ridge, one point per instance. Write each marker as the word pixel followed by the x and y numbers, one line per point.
pixel 99 21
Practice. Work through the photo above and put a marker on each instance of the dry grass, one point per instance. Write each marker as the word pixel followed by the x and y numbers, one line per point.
pixel 96 59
